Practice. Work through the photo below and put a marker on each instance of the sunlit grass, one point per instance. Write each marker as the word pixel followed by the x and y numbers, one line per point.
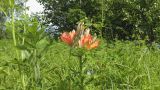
pixel 120 65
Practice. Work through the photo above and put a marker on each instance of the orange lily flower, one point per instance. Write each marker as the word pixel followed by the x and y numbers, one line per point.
pixel 82 38
pixel 93 45
pixel 68 37
pixel 87 41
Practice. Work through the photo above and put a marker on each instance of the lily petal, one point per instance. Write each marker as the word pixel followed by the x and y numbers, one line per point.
pixel 68 37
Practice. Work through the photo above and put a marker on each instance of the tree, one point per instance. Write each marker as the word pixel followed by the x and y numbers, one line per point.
pixel 65 13
pixel 122 19
pixel 133 19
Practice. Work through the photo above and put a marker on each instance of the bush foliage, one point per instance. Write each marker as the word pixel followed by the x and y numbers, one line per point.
pixel 122 19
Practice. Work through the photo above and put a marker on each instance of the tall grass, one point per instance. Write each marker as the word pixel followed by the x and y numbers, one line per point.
pixel 119 65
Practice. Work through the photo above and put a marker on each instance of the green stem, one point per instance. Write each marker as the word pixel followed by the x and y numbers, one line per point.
pixel 69 86
pixel 22 55
pixel 81 72
pixel 36 69
pixel 13 29
pixel 23 82
pixel 23 39
pixel 15 44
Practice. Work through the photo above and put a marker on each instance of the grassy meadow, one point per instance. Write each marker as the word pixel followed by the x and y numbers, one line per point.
pixel 120 65
pixel 114 45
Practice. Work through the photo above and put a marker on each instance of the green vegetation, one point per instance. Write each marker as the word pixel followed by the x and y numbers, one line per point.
pixel 122 19
pixel 126 58
pixel 120 65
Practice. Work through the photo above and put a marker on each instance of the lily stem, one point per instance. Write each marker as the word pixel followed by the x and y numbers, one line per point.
pixel 81 72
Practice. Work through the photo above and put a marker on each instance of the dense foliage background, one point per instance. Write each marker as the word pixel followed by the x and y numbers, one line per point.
pixel 122 19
